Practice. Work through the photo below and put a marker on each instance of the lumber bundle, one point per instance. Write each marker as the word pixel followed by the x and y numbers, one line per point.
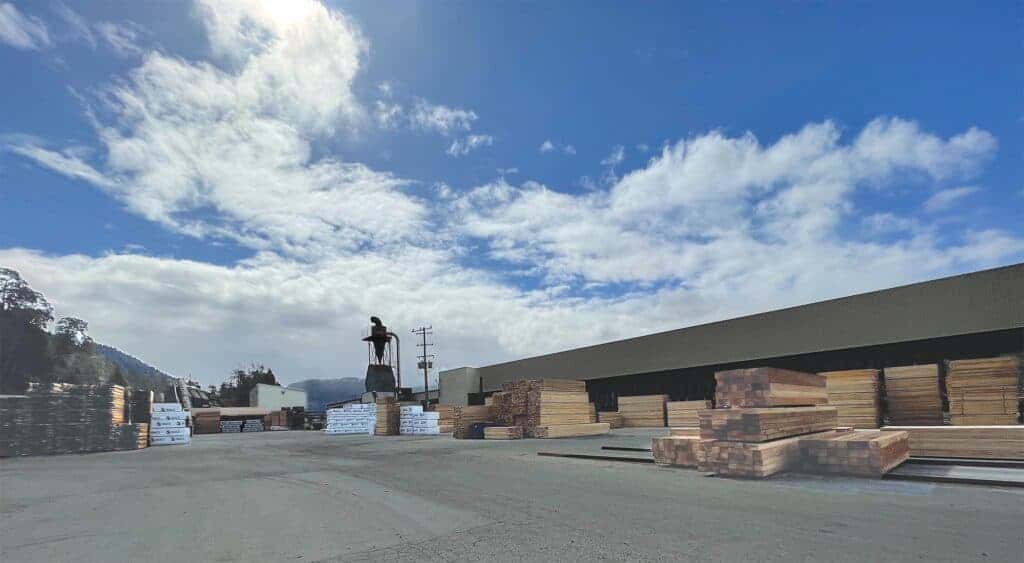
pixel 503 433
pixel 868 453
pixel 613 418
pixel 747 459
pixel 855 394
pixel 984 391
pixel 466 416
pixel 643 411
pixel 684 413
pixel 912 394
pixel 680 451
pixel 764 424
pixel 571 430
pixel 981 442
pixel 142 436
pixel 389 417
pixel 545 403
pixel 551 408
pixel 206 421
pixel 768 387
pixel 684 431
pixel 445 419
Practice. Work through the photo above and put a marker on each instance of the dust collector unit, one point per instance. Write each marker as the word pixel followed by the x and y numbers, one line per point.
pixel 380 375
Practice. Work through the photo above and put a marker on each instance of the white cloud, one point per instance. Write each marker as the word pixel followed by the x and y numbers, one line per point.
pixel 21 31
pixel 943 200
pixel 79 26
pixel 388 116
pixel 616 157
pixel 122 38
pixel 549 146
pixel 440 118
pixel 462 147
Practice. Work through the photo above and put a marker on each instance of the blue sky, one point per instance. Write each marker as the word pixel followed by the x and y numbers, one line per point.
pixel 223 182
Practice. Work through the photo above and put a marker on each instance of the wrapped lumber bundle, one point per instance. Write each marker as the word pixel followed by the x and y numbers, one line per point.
pixel 445 419
pixel 855 395
pixel 912 395
pixel 389 417
pixel 416 421
pixel 466 416
pixel 680 451
pixel 984 391
pixel 206 421
pixel 643 411
pixel 253 425
pixel 503 433
pixel 768 387
pixel 764 424
pixel 756 460
pixel 980 442
pixel 571 430
pixel 230 426
pixel 352 418
pixel 613 418
pixel 867 453
pixel 167 425
pixel 684 413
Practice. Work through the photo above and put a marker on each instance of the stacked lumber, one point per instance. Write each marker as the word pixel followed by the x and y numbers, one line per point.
pixel 984 391
pixel 764 424
pixel 389 417
pixel 416 421
pixel 684 413
pixel 142 437
pixel 230 426
pixel 206 421
pixel 351 418
pixel 867 453
pixel 571 430
pixel 503 433
pixel 913 396
pixel 751 459
pixel 466 416
pixel 643 411
pixel 445 419
pixel 855 394
pixel 684 431
pixel 768 387
pixel 982 442
pixel 550 408
pixel 613 418
pixel 680 451
pixel 167 425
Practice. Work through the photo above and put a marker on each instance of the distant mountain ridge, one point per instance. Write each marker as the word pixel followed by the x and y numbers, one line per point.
pixel 138 373
pixel 320 392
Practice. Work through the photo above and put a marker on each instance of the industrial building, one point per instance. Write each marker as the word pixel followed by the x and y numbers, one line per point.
pixel 972 315
pixel 275 397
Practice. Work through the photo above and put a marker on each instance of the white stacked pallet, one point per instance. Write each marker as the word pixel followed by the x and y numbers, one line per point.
pixel 353 418
pixel 167 425
pixel 416 422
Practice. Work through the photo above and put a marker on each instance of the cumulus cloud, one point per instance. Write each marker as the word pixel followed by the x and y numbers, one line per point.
pixel 550 146
pixel 441 118
pixel 468 144
pixel 943 200
pixel 20 31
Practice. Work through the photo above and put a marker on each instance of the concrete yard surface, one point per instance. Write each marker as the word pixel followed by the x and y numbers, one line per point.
pixel 304 496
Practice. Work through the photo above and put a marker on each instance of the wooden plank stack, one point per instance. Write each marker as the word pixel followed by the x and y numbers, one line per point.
pixel 855 394
pixel 981 442
pixel 680 451
pixel 142 440
pixel 867 453
pixel 643 411
pixel 466 416
pixel 446 418
pixel 613 418
pixel 983 391
pixel 765 424
pixel 683 414
pixel 768 387
pixel 572 430
pixel 503 433
pixel 389 417
pixel 913 396
pixel 750 459
pixel 206 421
pixel 547 408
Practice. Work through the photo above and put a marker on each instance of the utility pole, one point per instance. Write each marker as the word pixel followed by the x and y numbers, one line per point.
pixel 426 360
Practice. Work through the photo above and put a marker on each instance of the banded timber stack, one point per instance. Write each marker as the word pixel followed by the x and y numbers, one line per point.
pixel 969 316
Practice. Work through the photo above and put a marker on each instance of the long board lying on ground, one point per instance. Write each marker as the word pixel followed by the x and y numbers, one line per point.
pixel 982 442
pixel 868 453
pixel 764 424
pixel 768 387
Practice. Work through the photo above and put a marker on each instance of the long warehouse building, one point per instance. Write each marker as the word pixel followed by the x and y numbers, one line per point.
pixel 972 315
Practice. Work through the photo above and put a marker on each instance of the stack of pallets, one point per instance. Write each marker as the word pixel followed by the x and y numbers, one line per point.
pixel 855 394
pixel 984 391
pixel 683 414
pixel 912 395
pixel 643 411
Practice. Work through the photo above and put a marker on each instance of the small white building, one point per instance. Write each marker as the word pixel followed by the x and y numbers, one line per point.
pixel 275 397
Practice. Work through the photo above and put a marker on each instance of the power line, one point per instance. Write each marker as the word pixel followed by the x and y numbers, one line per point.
pixel 425 359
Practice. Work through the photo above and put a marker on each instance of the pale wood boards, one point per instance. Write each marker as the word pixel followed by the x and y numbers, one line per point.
pixel 983 442
pixel 912 394
pixel 684 413
pixel 684 431
pixel 571 430
pixel 389 417
pixel 643 411
pixel 466 416
pixel 768 387
pixel 446 417
pixel 613 418
pixel 680 451
pixel 765 424
pixel 855 394
pixel 868 453
pixel 983 391
pixel 757 460
pixel 503 433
